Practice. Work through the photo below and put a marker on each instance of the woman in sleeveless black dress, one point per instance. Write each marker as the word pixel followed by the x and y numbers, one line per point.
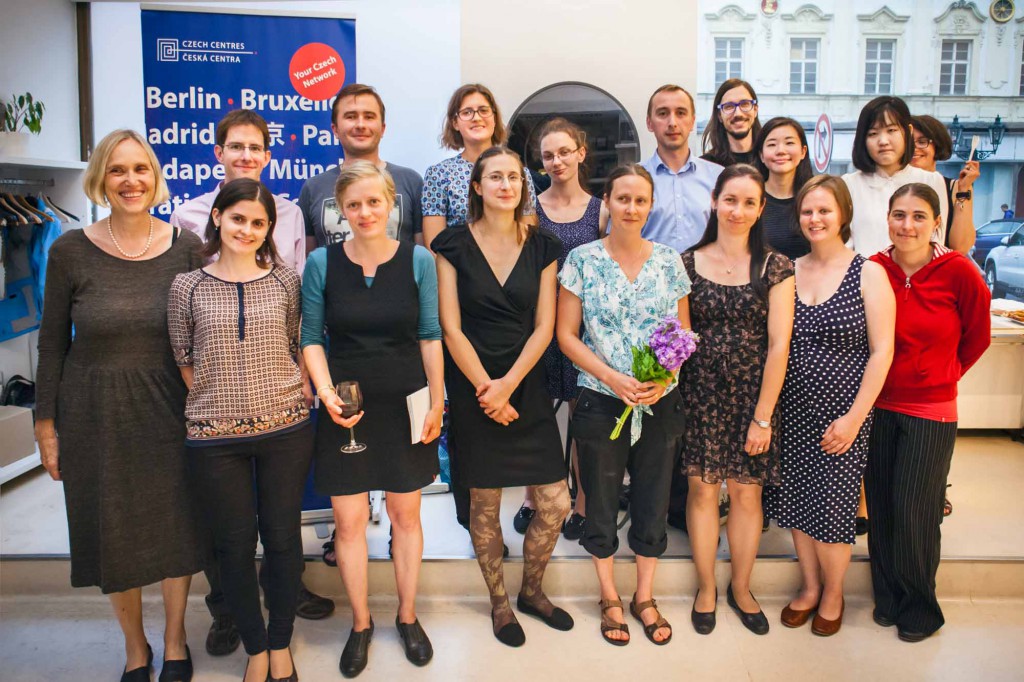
pixel 377 298
pixel 497 298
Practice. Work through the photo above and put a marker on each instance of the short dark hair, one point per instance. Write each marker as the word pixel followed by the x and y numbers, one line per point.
pixel 932 128
pixel 920 191
pixel 670 87
pixel 836 186
pixel 879 111
pixel 804 171
pixel 475 209
pixel 622 171
pixel 715 140
pixel 353 90
pixel 450 136
pixel 242 117
pixel 243 189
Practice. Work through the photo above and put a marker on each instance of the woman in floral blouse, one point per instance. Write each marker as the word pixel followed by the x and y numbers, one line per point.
pixel 619 289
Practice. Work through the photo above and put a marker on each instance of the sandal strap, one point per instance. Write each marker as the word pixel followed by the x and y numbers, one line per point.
pixel 606 604
pixel 644 605
pixel 611 626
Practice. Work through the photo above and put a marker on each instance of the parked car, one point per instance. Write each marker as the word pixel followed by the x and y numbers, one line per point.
pixel 1004 265
pixel 989 236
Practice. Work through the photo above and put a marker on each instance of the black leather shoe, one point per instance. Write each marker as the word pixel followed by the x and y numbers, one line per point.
pixel 510 634
pixel 624 498
pixel 861 525
pixel 559 618
pixel 677 521
pixel 911 636
pixel 357 652
pixel 177 671
pixel 755 622
pixel 504 551
pixel 223 637
pixel 139 674
pixel 521 521
pixel 574 527
pixel 704 622
pixel 294 677
pixel 415 641
pixel 313 606
pixel 882 620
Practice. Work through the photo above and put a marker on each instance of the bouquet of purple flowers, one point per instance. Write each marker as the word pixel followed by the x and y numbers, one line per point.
pixel 665 352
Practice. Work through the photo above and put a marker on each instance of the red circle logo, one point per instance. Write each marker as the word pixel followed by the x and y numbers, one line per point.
pixel 316 71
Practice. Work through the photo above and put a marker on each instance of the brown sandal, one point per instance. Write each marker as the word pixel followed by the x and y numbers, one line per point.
pixel 609 625
pixel 649 630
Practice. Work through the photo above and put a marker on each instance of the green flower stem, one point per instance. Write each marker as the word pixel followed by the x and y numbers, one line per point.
pixel 619 424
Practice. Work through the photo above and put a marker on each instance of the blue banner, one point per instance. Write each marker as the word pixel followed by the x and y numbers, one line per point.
pixel 197 66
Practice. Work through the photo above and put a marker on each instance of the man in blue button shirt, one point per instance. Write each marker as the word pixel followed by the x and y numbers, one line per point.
pixel 682 181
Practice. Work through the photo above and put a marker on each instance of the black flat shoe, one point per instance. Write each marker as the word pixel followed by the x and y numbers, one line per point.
pixel 357 652
pixel 882 620
pixel 755 622
pixel 861 525
pixel 312 606
pixel 417 646
pixel 559 618
pixel 521 521
pixel 911 636
pixel 704 622
pixel 511 634
pixel 294 677
pixel 177 671
pixel 139 674
pixel 223 637
pixel 574 527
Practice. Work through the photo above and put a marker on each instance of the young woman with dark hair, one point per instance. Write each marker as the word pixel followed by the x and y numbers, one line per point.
pixel 932 143
pixel 942 328
pixel 234 328
pixel 741 305
pixel 496 281
pixel 780 153
pixel 883 147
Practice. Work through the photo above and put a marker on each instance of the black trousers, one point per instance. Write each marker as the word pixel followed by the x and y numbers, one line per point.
pixel 234 515
pixel 908 461
pixel 603 463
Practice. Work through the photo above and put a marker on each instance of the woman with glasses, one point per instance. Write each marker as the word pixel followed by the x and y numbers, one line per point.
pixel 780 153
pixel 496 283
pixel 932 143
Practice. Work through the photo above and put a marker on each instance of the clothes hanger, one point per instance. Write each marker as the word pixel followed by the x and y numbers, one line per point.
pixel 61 213
pixel 21 219
pixel 39 215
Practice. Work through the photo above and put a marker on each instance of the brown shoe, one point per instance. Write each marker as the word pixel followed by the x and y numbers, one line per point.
pixel 793 618
pixel 827 628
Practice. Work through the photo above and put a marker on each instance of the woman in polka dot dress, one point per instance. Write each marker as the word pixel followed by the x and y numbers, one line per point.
pixel 840 353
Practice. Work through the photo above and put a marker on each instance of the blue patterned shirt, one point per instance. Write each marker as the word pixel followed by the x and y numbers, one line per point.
pixel 446 191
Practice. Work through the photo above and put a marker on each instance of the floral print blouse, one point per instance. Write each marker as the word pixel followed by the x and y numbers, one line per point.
pixel 446 191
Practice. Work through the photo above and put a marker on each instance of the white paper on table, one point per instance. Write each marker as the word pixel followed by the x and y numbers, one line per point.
pixel 419 405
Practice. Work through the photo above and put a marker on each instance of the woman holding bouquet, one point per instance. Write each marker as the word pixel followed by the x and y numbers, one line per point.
pixel 621 288
pixel 742 306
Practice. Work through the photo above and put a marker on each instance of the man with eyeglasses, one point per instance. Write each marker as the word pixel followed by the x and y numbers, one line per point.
pixel 733 126
pixel 243 148
pixel 358 122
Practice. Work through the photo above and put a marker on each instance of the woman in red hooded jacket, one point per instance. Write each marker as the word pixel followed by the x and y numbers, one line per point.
pixel 942 328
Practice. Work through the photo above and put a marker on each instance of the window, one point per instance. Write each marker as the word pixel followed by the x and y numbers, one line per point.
pixel 955 63
pixel 878 67
pixel 728 59
pixel 803 66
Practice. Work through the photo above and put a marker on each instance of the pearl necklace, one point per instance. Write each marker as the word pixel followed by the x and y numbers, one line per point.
pixel 124 253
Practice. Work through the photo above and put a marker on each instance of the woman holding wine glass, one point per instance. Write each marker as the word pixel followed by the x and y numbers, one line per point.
pixel 234 328
pixel 377 299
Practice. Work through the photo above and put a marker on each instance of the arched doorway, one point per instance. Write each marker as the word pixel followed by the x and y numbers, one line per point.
pixel 611 136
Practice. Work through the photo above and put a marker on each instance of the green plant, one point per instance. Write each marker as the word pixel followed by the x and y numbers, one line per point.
pixel 21 111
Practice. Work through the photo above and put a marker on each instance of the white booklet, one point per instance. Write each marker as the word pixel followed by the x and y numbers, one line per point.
pixel 419 405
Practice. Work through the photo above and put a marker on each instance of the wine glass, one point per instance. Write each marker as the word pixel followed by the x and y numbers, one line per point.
pixel 351 403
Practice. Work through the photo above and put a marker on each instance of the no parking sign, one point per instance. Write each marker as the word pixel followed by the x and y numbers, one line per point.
pixel 821 151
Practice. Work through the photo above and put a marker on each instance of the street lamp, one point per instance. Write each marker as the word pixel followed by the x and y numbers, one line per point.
pixel 962 142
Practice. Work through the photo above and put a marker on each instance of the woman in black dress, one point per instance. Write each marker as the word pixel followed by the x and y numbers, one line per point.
pixel 377 298
pixel 496 280
pixel 780 153
pixel 113 391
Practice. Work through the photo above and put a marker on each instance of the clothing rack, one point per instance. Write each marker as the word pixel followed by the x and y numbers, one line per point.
pixel 49 182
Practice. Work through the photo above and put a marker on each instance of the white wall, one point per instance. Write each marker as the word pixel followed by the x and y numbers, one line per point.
pixel 38 54
pixel 408 50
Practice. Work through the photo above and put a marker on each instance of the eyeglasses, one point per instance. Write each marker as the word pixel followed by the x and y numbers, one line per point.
pixel 562 154
pixel 511 178
pixel 468 113
pixel 238 148
pixel 744 105
pixel 922 142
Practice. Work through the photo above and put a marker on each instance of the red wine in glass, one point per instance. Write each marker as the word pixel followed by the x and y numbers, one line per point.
pixel 351 403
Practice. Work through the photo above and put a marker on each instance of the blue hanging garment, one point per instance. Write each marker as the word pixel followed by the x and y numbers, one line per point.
pixel 43 237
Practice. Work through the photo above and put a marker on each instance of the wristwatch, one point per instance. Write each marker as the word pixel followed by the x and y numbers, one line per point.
pixel 963 196
pixel 763 424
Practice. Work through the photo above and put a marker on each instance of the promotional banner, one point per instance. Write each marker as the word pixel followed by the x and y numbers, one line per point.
pixel 197 66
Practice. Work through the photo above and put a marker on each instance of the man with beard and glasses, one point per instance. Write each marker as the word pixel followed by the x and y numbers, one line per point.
pixel 734 125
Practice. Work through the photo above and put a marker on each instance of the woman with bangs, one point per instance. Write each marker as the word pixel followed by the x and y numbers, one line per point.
pixel 496 282
pixel 112 391
pixel 780 153
pixel 883 148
